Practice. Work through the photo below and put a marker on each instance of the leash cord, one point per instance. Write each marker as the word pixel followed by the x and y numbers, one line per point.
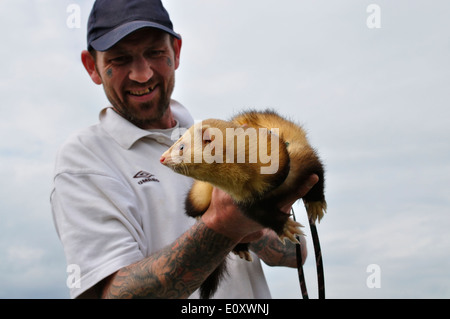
pixel 301 274
pixel 319 261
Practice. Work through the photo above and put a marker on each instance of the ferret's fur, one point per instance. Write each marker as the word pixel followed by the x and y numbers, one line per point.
pixel 258 195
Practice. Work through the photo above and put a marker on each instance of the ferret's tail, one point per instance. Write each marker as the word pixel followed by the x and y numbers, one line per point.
pixel 210 285
pixel 314 200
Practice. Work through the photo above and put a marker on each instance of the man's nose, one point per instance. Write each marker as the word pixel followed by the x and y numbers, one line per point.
pixel 141 70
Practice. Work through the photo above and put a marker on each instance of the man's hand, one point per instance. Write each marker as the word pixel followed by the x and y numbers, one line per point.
pixel 269 248
pixel 224 217
pixel 301 192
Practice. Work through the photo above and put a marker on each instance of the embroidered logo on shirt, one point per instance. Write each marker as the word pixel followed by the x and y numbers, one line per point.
pixel 145 177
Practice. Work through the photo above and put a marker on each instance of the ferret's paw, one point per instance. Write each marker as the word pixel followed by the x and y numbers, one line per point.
pixel 243 254
pixel 291 228
pixel 316 210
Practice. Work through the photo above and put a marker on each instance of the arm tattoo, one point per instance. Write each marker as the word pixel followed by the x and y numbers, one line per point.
pixel 274 253
pixel 175 271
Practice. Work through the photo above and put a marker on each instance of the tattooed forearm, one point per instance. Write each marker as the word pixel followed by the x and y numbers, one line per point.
pixel 174 272
pixel 270 249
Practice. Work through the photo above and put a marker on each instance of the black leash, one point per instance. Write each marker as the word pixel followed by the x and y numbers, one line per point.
pixel 301 274
pixel 319 261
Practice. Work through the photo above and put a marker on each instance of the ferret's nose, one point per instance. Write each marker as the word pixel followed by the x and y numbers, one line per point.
pixel 162 159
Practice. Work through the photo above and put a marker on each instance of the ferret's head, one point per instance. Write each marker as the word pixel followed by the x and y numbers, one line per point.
pixel 201 144
pixel 229 156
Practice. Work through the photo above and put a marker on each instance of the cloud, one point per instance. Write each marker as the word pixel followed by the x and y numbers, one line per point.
pixel 38 106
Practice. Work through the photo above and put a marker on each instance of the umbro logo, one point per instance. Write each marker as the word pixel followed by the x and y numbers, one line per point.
pixel 145 177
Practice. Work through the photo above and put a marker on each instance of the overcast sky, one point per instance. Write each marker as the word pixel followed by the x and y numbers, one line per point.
pixel 375 102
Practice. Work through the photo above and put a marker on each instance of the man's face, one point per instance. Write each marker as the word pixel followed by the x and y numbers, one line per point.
pixel 138 76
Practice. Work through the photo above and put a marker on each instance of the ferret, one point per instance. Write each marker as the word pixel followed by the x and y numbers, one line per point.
pixel 259 158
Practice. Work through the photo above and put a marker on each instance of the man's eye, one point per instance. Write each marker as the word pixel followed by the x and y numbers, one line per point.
pixel 120 60
pixel 156 53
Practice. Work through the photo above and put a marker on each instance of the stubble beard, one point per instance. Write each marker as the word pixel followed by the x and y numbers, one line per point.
pixel 160 106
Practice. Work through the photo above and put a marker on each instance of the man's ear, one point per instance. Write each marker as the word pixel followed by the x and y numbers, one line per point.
pixel 177 49
pixel 89 64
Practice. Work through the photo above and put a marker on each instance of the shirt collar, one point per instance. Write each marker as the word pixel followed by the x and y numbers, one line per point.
pixel 126 134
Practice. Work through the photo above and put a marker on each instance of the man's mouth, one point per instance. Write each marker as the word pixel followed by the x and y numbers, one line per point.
pixel 141 92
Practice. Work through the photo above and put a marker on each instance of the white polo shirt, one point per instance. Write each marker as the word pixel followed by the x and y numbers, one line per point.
pixel 114 204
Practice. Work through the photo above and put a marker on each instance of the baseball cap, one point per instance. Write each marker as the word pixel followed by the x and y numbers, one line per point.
pixel 112 20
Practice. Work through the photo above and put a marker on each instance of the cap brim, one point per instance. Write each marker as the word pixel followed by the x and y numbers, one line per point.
pixel 109 39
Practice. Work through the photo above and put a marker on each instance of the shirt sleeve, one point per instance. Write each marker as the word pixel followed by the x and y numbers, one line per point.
pixel 98 223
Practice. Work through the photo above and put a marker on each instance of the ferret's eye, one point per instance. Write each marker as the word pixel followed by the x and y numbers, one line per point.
pixel 181 147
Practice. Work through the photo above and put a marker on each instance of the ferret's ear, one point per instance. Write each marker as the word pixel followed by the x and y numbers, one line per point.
pixel 206 133
pixel 199 129
pixel 245 125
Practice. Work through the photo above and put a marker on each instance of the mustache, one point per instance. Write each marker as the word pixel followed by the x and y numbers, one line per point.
pixel 139 85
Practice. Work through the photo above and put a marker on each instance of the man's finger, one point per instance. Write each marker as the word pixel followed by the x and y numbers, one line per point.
pixel 310 182
pixel 302 191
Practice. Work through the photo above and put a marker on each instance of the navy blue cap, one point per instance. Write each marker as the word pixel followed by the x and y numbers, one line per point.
pixel 112 20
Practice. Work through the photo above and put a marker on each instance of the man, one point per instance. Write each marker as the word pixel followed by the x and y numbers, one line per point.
pixel 118 212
